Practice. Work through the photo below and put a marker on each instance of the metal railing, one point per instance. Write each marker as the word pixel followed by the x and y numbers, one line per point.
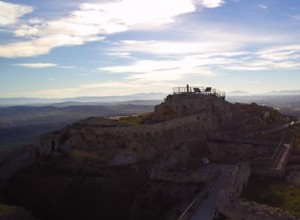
pixel 199 90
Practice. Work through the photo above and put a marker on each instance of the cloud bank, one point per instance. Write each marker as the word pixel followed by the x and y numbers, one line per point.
pixel 36 65
pixel 91 22
pixel 10 13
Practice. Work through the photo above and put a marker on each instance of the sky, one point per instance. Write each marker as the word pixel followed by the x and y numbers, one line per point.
pixel 57 48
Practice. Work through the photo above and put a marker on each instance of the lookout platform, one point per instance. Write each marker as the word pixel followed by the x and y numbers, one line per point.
pixel 199 90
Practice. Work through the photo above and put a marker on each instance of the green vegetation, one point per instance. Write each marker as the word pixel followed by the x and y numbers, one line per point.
pixel 274 192
pixel 133 119
pixel 5 209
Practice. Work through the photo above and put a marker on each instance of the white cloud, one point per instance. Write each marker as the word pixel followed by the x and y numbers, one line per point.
pixel 42 45
pixel 111 84
pixel 277 53
pixel 178 59
pixel 10 13
pixel 119 54
pixel 93 21
pixel 284 57
pixel 82 74
pixel 201 40
pixel 136 12
pixel 36 65
pixel 35 21
pixel 209 48
pixel 162 70
pixel 210 3
pixel 67 67
pixel 177 47
pixel 246 67
pixel 263 6
pixel 171 75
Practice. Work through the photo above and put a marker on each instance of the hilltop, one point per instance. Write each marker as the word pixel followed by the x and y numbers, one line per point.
pixel 113 165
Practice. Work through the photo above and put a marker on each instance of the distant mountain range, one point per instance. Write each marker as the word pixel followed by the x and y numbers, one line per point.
pixel 285 92
pixel 238 93
pixel 272 93
pixel 140 98
pixel 134 99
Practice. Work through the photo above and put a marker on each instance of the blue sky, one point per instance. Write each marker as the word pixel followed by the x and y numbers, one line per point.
pixel 106 47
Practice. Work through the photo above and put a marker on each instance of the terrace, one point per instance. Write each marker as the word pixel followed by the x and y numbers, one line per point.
pixel 199 90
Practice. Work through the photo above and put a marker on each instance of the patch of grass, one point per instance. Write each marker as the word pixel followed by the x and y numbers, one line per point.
pixel 5 209
pixel 274 192
pixel 133 119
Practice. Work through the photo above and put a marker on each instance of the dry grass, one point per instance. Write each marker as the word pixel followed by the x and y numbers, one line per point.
pixel 274 192
pixel 133 119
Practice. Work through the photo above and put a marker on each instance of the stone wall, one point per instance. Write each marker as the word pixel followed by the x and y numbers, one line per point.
pixel 48 143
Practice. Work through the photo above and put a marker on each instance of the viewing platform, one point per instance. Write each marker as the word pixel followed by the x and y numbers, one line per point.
pixel 199 90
